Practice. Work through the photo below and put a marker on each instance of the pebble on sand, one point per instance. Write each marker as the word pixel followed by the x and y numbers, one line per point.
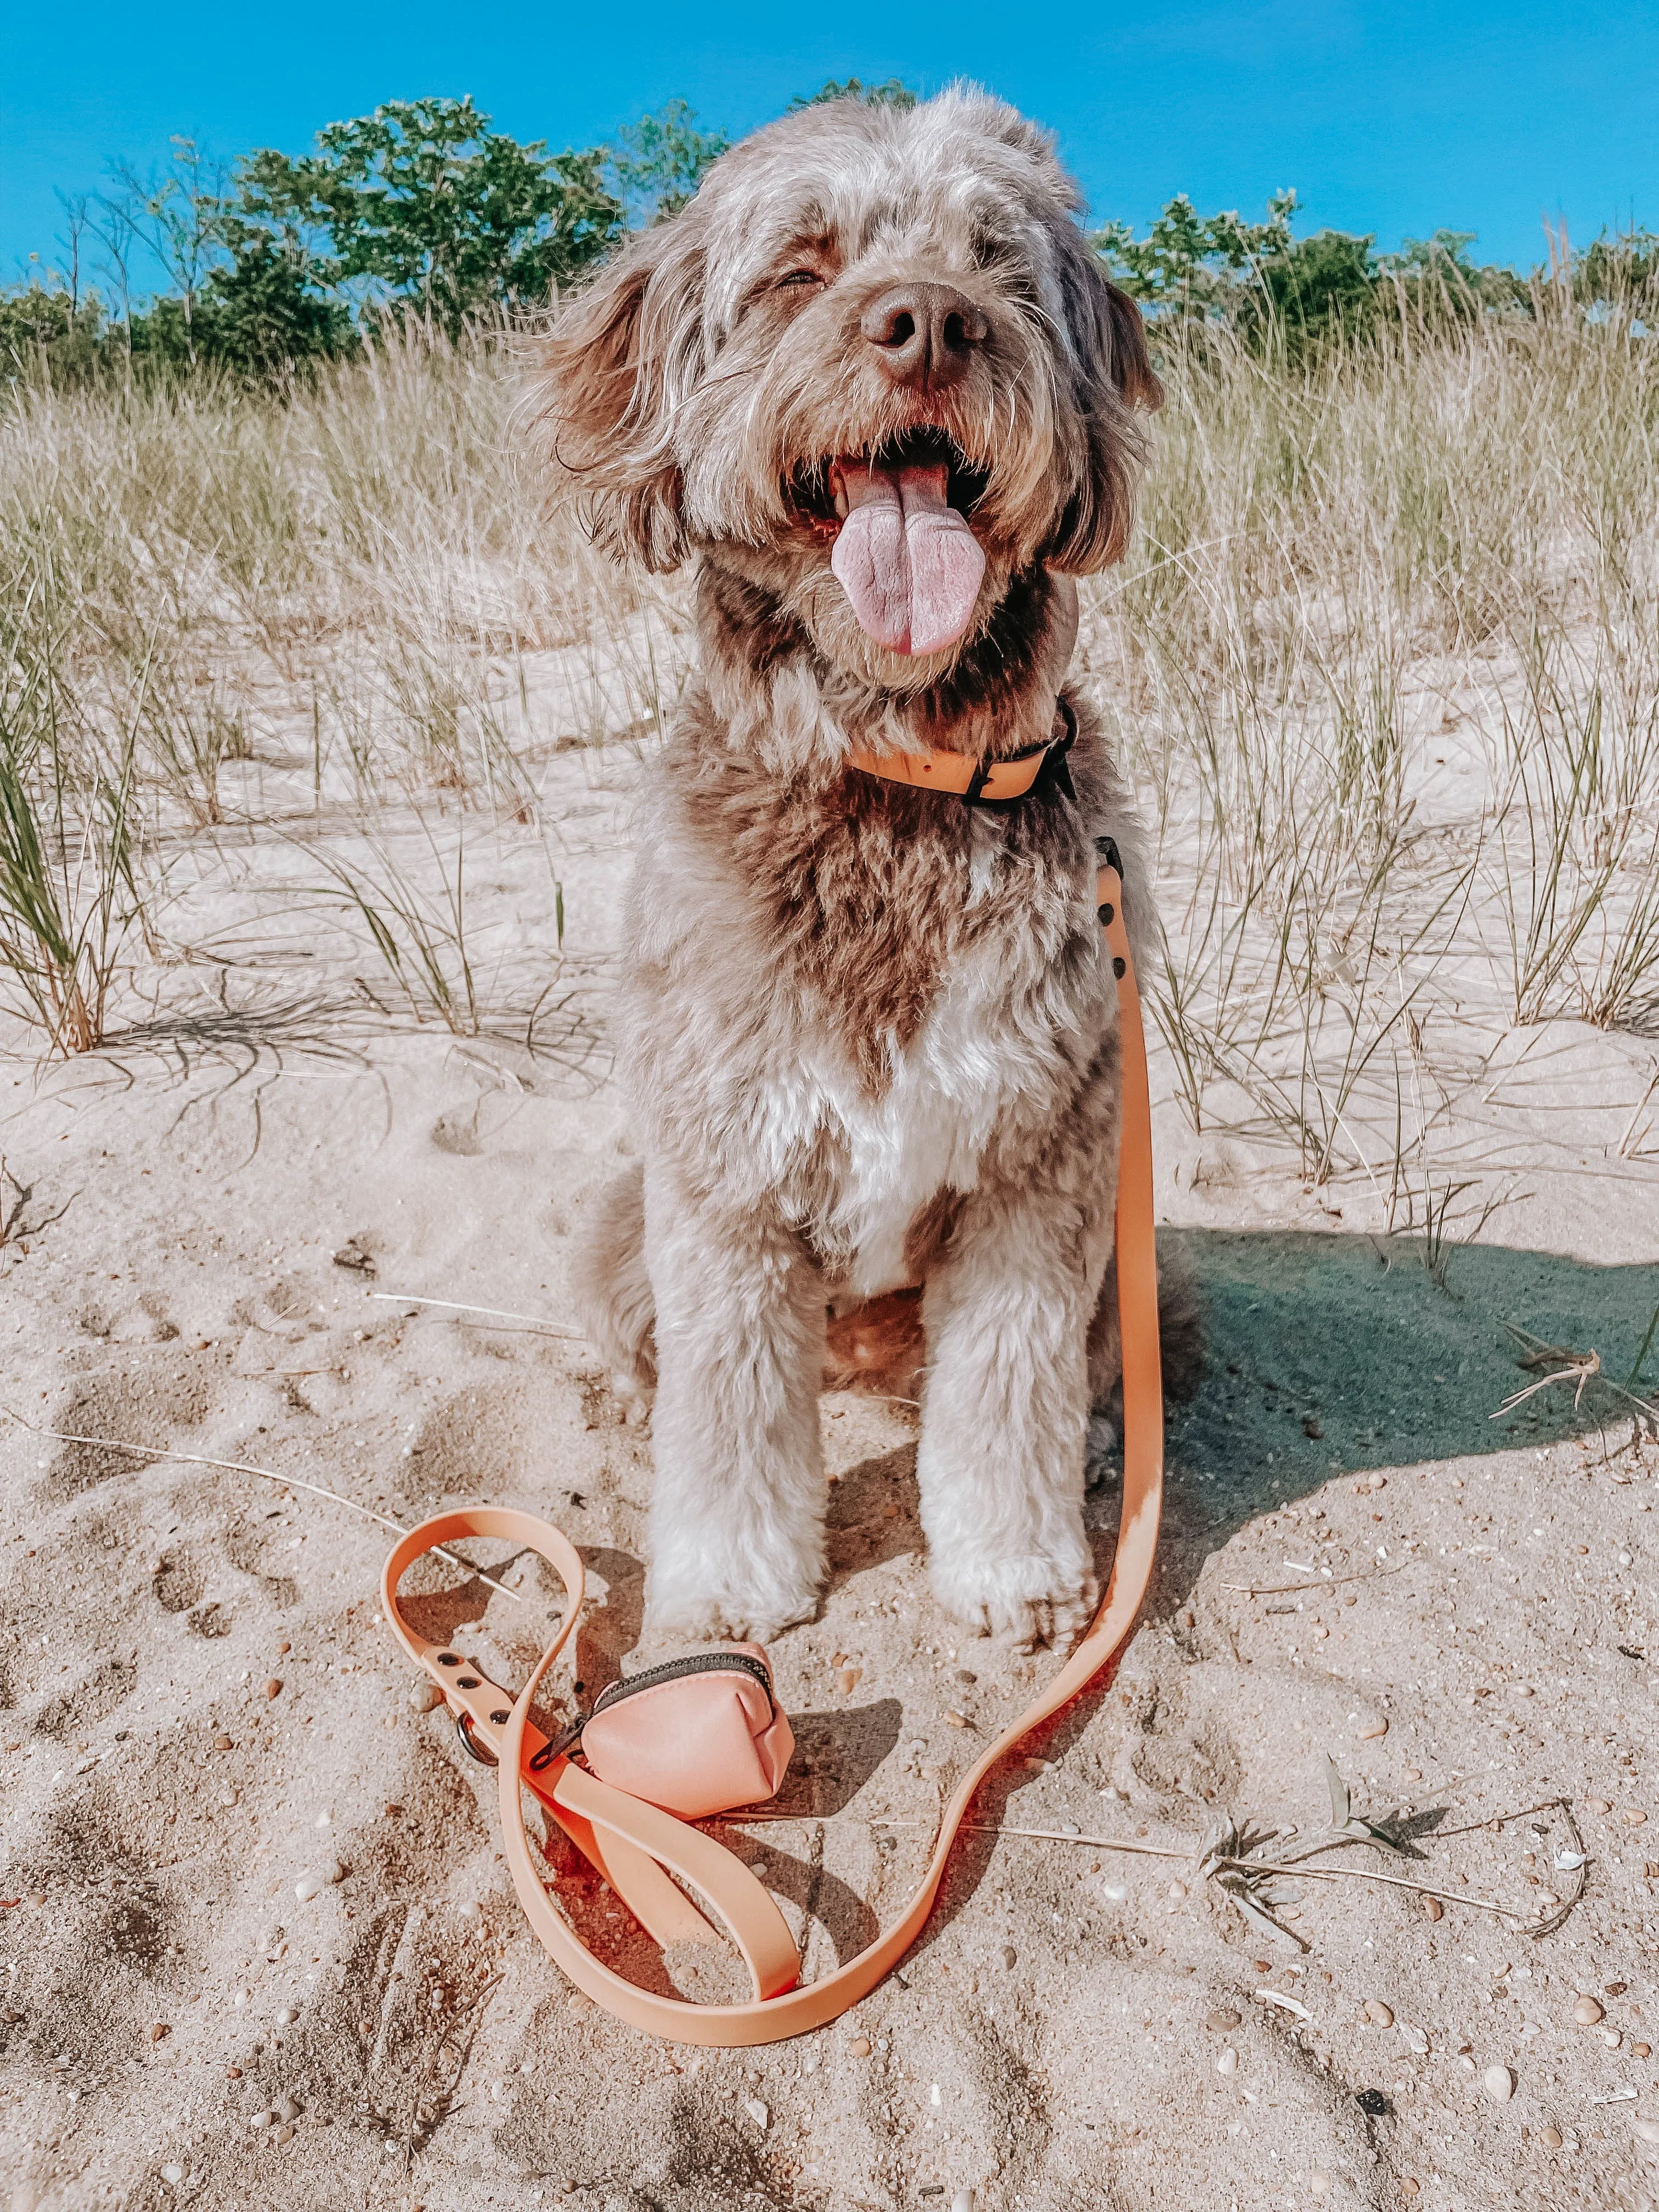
pixel 1433 1908
pixel 1009 1954
pixel 424 1696
pixel 1550 2137
pixel 307 1886
pixel 1378 2014
pixel 850 1678
pixel 1372 1731
pixel 860 2046
pixel 273 1687
pixel 1498 2083
pixel 1587 2012
pixel 756 2110
pixel 1634 1817
pixel 1224 2017
pixel 1227 2061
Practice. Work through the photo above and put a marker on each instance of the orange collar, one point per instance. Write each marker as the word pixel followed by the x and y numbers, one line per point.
pixel 991 783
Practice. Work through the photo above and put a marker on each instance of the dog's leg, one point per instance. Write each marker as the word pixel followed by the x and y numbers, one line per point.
pixel 613 1291
pixel 1004 1417
pixel 737 1514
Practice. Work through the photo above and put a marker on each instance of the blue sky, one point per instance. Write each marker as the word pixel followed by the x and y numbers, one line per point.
pixel 1387 119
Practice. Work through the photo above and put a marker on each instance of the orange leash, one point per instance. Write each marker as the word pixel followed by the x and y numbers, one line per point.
pixel 631 1843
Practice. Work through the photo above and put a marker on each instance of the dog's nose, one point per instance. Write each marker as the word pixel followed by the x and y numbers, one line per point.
pixel 924 334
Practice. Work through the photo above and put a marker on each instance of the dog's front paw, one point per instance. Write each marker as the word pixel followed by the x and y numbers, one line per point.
pixel 1027 1602
pixel 679 1614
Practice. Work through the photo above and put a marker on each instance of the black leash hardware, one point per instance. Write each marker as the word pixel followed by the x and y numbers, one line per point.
pixel 1054 771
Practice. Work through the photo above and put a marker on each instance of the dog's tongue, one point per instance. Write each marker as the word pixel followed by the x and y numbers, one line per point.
pixel 907 560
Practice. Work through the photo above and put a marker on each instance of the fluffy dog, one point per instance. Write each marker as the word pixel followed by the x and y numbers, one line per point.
pixel 872 383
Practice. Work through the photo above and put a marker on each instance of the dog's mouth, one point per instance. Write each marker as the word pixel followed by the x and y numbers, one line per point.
pixel 903 552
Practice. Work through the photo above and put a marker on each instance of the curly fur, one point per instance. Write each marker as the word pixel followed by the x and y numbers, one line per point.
pixel 870 1032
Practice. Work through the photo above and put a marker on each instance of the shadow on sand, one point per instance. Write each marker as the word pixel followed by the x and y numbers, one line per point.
pixel 1330 1355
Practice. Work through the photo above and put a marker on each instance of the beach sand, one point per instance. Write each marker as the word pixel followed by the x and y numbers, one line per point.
pixel 201 1707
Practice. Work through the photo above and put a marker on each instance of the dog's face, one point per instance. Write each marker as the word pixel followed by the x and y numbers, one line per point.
pixel 875 361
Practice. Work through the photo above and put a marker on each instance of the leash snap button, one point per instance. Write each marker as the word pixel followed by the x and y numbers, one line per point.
pixel 447 1659
pixel 1105 914
pixel 1120 969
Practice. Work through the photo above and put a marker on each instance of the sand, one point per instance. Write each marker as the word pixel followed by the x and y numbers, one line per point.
pixel 201 1706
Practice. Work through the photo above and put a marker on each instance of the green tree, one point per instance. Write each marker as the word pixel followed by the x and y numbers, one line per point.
pixel 258 314
pixel 422 201
pixel 893 93
pixel 656 164
pixel 1257 278
pixel 49 330
pixel 262 312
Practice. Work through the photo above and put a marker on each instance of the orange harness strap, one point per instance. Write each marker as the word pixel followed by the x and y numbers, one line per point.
pixel 631 1843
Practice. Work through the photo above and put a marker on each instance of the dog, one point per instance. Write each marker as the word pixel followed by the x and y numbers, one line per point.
pixel 874 386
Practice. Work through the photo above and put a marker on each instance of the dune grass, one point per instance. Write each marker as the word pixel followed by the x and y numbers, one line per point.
pixel 1383 663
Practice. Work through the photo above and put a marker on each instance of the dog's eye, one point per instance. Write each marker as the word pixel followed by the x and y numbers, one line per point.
pixel 798 278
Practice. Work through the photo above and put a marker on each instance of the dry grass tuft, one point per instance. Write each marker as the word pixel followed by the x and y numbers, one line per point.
pixel 1384 661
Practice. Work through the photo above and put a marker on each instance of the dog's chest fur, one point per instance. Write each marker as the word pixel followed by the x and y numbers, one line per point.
pixel 867 1163
pixel 872 994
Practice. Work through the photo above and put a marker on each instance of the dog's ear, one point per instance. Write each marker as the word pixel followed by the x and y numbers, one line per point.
pixel 1131 365
pixel 1113 375
pixel 618 361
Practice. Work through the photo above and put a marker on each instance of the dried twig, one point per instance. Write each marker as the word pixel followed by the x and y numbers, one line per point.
pixel 265 1474
pixel 1578 1371
pixel 494 1313
pixel 13 1227
pixel 1325 1582
pixel 1578 1367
